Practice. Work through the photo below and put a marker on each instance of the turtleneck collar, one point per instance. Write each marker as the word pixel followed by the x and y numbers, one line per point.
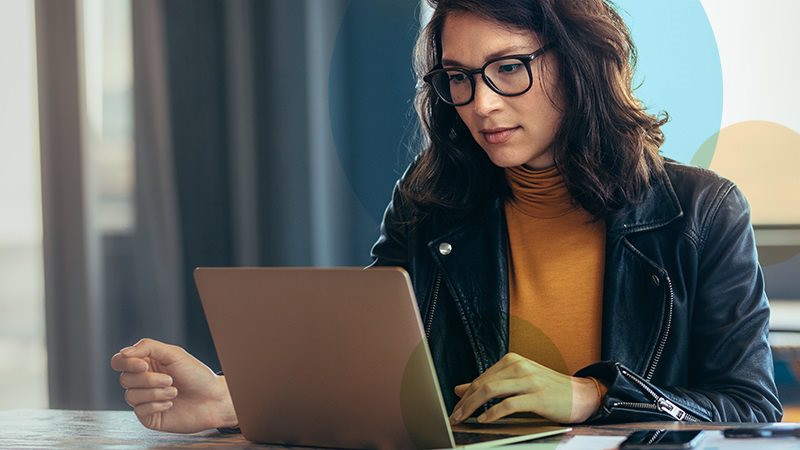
pixel 539 193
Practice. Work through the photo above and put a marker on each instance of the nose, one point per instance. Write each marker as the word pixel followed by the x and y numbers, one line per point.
pixel 486 100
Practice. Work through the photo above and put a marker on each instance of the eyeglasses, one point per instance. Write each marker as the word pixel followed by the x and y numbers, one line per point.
pixel 508 75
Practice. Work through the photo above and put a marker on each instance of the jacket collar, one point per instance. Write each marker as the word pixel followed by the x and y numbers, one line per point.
pixel 658 207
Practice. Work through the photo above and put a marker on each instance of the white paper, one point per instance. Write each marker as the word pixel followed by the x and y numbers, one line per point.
pixel 575 443
pixel 714 440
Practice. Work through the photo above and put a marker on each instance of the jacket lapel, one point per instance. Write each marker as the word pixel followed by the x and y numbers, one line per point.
pixel 636 292
pixel 475 270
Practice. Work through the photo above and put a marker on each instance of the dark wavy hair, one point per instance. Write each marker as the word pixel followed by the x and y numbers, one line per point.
pixel 607 145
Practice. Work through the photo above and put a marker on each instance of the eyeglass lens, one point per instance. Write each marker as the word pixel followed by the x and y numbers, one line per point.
pixel 507 76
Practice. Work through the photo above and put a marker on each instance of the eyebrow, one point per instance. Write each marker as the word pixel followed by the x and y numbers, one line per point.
pixel 504 51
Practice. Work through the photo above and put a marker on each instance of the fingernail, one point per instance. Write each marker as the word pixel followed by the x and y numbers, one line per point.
pixel 171 392
pixel 456 415
pixel 126 350
pixel 482 418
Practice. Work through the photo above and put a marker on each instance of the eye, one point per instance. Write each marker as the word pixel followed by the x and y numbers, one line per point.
pixel 509 68
pixel 457 77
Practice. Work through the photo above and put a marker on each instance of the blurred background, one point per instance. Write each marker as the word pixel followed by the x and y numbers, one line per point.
pixel 141 139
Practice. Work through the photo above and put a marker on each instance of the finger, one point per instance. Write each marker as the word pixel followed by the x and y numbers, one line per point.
pixel 509 360
pixel 145 410
pixel 511 369
pixel 508 406
pixel 144 380
pixel 122 363
pixel 163 353
pixel 136 397
pixel 462 389
pixel 500 388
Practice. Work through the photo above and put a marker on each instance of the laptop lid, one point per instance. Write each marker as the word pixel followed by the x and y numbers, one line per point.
pixel 327 357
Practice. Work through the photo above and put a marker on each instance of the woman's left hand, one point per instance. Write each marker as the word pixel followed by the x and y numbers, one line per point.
pixel 527 386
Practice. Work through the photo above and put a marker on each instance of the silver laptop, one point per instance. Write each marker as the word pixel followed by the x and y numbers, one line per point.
pixel 332 358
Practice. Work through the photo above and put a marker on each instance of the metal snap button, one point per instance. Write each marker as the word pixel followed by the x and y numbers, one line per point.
pixel 656 280
pixel 445 248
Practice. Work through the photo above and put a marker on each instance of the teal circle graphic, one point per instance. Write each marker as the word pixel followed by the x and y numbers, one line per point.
pixel 371 91
pixel 679 70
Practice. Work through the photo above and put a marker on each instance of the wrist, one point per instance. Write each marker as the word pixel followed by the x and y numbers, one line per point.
pixel 587 398
pixel 226 413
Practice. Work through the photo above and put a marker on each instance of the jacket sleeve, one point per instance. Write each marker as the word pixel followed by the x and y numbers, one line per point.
pixel 731 373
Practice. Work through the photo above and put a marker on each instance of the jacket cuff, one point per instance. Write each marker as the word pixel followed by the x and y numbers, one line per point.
pixel 630 398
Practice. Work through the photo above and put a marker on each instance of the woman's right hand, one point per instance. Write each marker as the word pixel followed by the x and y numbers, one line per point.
pixel 171 390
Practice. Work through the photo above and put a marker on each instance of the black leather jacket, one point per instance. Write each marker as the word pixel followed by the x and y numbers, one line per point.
pixel 684 310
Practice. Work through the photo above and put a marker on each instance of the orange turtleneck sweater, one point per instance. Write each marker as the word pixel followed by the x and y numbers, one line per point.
pixel 556 264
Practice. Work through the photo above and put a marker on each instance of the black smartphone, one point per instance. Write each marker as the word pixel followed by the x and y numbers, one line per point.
pixel 662 440
pixel 764 431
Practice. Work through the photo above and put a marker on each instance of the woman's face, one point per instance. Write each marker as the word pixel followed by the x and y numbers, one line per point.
pixel 513 131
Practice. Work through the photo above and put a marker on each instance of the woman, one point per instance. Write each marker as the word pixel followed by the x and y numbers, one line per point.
pixel 545 237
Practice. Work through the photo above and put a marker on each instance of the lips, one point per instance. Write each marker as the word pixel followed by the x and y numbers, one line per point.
pixel 498 135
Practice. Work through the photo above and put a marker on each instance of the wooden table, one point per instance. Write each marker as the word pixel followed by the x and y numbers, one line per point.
pixel 60 429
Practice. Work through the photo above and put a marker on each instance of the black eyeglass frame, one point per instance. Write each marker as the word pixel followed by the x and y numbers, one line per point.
pixel 526 59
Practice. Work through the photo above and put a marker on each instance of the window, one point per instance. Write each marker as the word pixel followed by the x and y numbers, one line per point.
pixel 23 367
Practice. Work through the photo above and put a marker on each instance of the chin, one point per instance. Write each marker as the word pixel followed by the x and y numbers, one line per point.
pixel 509 157
pixel 504 164
pixel 505 160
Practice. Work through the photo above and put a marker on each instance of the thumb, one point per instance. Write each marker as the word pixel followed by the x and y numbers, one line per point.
pixel 164 353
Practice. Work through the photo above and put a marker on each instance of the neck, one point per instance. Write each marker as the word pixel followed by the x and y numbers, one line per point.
pixel 539 193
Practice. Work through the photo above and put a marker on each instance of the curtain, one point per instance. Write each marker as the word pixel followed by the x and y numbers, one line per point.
pixel 266 133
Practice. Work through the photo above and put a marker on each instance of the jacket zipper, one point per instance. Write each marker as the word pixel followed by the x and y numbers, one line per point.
pixel 479 361
pixel 432 305
pixel 660 403
pixel 662 341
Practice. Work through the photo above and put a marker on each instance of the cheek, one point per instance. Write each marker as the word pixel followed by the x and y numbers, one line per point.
pixel 544 115
pixel 463 114
pixel 549 96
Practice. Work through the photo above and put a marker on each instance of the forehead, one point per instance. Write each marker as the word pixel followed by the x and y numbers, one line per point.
pixel 470 39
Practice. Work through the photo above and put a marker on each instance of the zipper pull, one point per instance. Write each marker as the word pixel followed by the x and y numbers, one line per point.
pixel 670 408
